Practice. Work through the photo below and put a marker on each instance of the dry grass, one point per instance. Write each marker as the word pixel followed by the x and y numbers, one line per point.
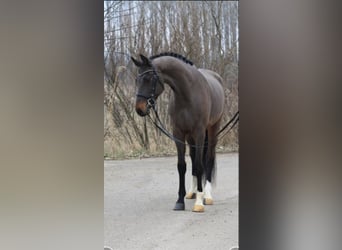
pixel 118 146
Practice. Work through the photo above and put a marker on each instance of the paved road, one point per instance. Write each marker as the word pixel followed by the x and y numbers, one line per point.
pixel 139 196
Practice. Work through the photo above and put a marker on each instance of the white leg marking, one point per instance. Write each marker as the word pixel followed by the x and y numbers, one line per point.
pixel 199 198
pixel 193 187
pixel 207 190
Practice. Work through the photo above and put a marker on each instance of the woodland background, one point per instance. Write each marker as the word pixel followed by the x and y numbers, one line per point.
pixel 206 32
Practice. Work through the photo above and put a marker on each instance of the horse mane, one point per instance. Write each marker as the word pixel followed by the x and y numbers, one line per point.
pixel 178 56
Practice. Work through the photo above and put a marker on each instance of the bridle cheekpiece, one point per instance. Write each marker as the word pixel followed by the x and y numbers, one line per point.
pixel 151 99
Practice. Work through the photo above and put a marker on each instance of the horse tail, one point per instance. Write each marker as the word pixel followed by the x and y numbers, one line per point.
pixel 205 156
pixel 213 173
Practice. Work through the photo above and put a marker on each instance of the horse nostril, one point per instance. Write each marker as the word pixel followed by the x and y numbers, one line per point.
pixel 140 112
pixel 141 108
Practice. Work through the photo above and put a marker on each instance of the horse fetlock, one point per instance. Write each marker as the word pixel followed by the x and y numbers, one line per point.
pixel 193 189
pixel 208 199
pixel 190 195
pixel 199 198
pixel 199 206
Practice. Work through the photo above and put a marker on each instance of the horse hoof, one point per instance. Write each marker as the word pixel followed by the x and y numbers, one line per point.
pixel 179 206
pixel 208 201
pixel 190 196
pixel 198 208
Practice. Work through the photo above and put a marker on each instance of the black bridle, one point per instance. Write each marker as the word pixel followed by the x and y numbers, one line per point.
pixel 151 99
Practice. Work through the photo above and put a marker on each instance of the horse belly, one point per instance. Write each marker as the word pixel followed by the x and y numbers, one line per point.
pixel 186 121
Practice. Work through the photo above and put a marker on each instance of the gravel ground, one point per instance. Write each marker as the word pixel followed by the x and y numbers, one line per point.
pixel 139 196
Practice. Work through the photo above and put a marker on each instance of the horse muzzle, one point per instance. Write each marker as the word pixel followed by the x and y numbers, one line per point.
pixel 142 108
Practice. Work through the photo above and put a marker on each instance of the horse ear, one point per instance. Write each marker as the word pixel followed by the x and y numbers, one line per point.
pixel 145 60
pixel 136 62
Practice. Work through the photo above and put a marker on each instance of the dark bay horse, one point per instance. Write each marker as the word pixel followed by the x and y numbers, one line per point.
pixel 196 111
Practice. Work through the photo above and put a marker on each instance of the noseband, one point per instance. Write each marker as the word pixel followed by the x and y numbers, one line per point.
pixel 151 100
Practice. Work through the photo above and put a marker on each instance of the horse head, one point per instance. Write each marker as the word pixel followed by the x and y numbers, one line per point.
pixel 149 86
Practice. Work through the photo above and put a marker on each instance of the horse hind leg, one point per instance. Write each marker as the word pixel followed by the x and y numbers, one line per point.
pixel 193 189
pixel 193 186
pixel 199 205
pixel 208 199
pixel 210 168
pixel 210 164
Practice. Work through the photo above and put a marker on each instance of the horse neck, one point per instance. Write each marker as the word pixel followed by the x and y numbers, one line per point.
pixel 176 75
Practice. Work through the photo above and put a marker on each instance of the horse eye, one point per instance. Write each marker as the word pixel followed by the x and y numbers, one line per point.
pixel 145 80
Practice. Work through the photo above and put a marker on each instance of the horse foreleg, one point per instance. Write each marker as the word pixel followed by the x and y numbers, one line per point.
pixel 181 166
